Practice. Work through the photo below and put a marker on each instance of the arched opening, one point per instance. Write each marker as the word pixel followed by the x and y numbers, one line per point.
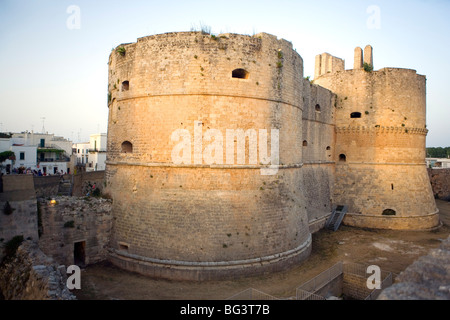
pixel 328 148
pixel 240 74
pixel 317 107
pixel 125 85
pixel 389 212
pixel 127 147
pixel 355 115
pixel 342 157
pixel 305 143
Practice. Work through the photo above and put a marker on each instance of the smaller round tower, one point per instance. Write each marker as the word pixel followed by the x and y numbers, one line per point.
pixel 380 145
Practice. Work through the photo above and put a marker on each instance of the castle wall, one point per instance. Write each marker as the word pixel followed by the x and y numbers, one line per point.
pixel 205 219
pixel 318 156
pixel 380 148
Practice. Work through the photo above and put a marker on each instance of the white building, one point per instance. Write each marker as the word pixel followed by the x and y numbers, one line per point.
pixel 438 163
pixel 92 154
pixel 81 150
pixel 37 151
pixel 97 152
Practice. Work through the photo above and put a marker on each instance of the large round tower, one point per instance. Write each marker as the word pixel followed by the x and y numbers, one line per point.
pixel 204 155
pixel 380 144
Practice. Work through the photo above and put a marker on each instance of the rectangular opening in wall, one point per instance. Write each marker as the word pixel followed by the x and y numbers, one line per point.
pixel 79 253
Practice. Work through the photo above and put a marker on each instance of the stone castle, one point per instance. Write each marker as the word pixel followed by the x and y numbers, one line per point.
pixel 352 137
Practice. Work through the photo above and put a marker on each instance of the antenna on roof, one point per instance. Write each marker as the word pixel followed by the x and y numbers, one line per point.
pixel 43 128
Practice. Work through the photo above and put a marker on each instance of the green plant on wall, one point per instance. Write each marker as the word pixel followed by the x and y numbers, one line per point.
pixel 367 67
pixel 5 155
pixel 121 51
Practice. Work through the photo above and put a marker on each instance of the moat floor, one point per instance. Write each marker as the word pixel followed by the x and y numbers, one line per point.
pixel 393 251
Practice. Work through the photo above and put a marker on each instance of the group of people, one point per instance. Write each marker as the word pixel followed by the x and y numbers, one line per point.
pixel 37 173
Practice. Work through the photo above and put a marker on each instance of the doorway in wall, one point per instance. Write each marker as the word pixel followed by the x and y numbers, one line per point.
pixel 79 253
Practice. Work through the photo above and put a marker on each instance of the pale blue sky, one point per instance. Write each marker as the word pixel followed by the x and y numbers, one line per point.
pixel 51 71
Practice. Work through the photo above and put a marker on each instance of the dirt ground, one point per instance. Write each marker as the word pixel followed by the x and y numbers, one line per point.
pixel 393 251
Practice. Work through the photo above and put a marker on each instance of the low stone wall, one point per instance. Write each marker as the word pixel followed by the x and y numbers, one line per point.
pixel 355 286
pixel 440 183
pixel 46 186
pixel 31 275
pixel 71 220
pixel 428 278
pixel 425 222
pixel 22 219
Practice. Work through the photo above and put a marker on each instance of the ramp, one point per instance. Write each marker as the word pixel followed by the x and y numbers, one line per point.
pixel 335 220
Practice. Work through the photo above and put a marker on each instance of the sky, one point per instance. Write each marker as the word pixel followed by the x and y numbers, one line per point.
pixel 54 53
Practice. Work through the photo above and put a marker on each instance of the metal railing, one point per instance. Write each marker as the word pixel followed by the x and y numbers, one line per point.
pixel 252 294
pixel 305 295
pixel 387 282
pixel 307 290
pixel 322 279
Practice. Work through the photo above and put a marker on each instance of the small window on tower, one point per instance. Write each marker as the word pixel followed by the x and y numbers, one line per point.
pixel 127 147
pixel 305 143
pixel 317 107
pixel 342 158
pixel 125 85
pixel 355 115
pixel 240 74
pixel 389 212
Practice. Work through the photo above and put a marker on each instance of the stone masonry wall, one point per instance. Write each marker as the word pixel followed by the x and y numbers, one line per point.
pixel 83 181
pixel 46 186
pixel 440 183
pixel 355 286
pixel 18 191
pixel 72 220
pixel 317 150
pixel 31 275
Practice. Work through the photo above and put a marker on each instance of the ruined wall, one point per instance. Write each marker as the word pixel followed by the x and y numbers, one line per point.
pixel 318 156
pixel 200 219
pixel 440 183
pixel 31 275
pixel 18 191
pixel 71 220
pixel 83 182
pixel 380 148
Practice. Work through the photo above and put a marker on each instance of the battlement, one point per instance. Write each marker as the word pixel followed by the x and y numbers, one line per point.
pixel 361 59
pixel 326 63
